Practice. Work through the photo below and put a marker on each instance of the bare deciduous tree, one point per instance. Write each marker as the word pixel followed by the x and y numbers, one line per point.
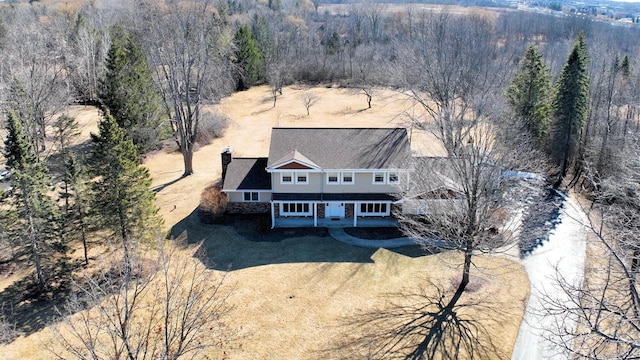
pixel 308 99
pixel 606 306
pixel 38 85
pixel 190 46
pixel 170 308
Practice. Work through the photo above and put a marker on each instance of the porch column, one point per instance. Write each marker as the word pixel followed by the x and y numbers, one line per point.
pixel 355 214
pixel 273 215
pixel 315 214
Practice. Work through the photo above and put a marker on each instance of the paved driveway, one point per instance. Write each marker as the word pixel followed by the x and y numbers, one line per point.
pixel 563 253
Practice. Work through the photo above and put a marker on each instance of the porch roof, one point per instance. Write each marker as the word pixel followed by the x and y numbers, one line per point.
pixel 333 197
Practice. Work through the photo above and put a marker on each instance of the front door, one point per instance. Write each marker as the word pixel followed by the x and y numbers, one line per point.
pixel 335 210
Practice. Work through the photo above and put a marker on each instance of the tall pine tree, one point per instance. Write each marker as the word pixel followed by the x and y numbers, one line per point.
pixel 248 58
pixel 37 212
pixel 129 92
pixel 570 108
pixel 123 202
pixel 529 94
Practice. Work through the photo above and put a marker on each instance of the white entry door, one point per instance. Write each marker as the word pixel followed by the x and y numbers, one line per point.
pixel 334 210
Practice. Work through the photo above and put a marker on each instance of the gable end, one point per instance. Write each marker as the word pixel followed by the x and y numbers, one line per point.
pixel 294 166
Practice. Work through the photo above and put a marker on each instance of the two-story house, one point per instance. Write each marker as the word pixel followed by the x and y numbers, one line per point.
pixel 322 176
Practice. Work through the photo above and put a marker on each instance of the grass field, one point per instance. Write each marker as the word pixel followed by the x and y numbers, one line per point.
pixel 293 298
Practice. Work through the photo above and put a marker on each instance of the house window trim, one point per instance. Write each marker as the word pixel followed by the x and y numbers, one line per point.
pixel 337 182
pixel 287 173
pixel 295 213
pixel 250 196
pixel 366 213
pixel 353 178
pixel 397 181
pixel 306 175
pixel 384 178
pixel 340 177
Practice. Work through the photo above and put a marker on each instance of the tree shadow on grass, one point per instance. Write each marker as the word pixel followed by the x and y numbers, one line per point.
pixel 158 188
pixel 430 323
pixel 240 242
pixel 31 310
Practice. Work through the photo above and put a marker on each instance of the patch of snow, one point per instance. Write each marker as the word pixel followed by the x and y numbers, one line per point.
pixel 514 174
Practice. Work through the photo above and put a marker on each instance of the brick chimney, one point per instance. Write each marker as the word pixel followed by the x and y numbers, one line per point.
pixel 226 160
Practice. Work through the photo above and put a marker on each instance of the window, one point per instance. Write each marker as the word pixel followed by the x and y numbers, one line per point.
pixel 378 178
pixel 333 178
pixel 374 209
pixel 295 209
pixel 302 178
pixel 393 178
pixel 286 178
pixel 251 196
pixel 347 178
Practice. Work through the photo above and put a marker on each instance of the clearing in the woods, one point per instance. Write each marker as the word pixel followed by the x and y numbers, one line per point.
pixel 293 299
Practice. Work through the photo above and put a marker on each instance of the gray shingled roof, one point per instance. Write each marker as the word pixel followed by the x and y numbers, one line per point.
pixel 247 174
pixel 343 148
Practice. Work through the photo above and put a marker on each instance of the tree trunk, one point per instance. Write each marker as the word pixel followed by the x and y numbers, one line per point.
pixel 35 251
pixel 187 155
pixel 33 239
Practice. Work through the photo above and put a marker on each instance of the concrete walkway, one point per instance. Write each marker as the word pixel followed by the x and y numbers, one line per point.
pixel 340 235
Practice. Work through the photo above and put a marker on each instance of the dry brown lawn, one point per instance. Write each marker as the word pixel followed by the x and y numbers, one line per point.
pixel 293 298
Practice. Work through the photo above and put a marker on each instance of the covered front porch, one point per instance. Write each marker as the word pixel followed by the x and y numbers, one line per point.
pixel 336 223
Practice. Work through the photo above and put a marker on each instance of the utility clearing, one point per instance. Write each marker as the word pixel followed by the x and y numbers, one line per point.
pixel 294 298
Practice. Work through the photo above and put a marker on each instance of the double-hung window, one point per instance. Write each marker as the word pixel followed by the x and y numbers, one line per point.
pixel 294 178
pixel 302 178
pixel 336 177
pixel 286 178
pixel 251 196
pixel 347 178
pixel 378 177
pixel 393 178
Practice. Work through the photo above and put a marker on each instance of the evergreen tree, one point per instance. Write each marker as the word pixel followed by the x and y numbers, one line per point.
pixel 35 209
pixel 75 191
pixel 248 58
pixel 570 108
pixel 129 92
pixel 529 94
pixel 66 129
pixel 123 202
pixel 77 211
pixel 23 109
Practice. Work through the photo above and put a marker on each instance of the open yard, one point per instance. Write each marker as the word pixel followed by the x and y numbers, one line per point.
pixel 294 295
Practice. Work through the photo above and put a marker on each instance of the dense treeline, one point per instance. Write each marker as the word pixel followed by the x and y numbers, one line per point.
pixel 567 87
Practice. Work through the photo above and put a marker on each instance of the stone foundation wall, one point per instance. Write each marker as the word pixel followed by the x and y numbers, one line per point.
pixel 248 208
